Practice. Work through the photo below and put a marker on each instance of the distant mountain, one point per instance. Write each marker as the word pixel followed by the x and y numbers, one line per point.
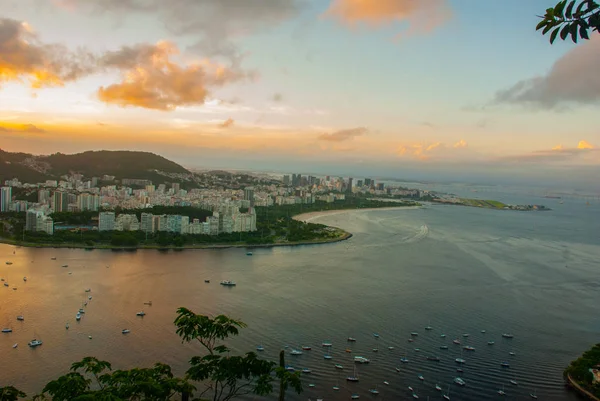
pixel 121 164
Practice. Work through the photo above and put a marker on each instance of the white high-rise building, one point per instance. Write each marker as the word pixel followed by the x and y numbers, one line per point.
pixel 147 223
pixel 87 201
pixel 5 199
pixel 106 221
pixel 127 222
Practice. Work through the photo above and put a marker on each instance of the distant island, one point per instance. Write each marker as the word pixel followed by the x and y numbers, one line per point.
pixel 488 204
pixel 583 374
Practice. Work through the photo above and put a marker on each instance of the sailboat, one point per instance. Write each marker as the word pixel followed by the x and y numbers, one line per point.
pixel 533 395
pixel 447 395
pixel 460 360
pixel 374 390
pixel 354 377
pixel 501 391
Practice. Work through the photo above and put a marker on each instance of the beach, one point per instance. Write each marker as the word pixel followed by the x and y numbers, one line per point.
pixel 308 217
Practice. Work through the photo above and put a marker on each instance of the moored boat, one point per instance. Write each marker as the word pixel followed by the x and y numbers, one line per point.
pixel 34 343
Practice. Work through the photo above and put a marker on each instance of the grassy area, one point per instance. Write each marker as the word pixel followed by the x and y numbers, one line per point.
pixel 579 370
pixel 489 204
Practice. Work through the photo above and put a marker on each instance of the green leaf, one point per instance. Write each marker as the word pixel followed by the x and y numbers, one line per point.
pixel 583 32
pixel 548 27
pixel 553 35
pixel 565 32
pixel 573 30
pixel 541 25
pixel 580 8
pixel 558 9
pixel 569 10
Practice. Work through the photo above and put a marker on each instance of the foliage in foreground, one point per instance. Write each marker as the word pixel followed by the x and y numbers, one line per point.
pixel 579 369
pixel 571 18
pixel 222 376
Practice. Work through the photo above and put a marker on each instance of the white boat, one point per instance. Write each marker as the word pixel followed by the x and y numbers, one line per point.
pixel 24 278
pixel 514 382
pixel 466 335
pixel 428 328
pixel 260 348
pixel 326 344
pixel 311 385
pixel 354 377
pixel 460 360
pixel 468 348
pixel 7 330
pixel 386 382
pixel 141 313
pixel 501 391
pixel 438 388
pixel 295 352
pixel 78 316
pixel 125 331
pixel 88 290
pixel 15 345
pixel 491 343
pixel 443 335
pixel 81 311
pixel 327 357
pixel 20 318
pixel 336 388
pixel 355 396
pixel 90 298
pixel 447 395
pixel 512 353
pixel 67 326
pixel 361 359
pixel 338 366
pixel 414 334
pixel 390 348
pixel 505 365
pixel 404 360
pixel 6 284
pixel 306 370
pixel 351 339
pixel 421 377
pixel 507 335
pixel 228 283
pixel 459 381
pixel 456 341
pixel 374 391
pixel 65 265
pixel 34 343
pixel 482 331
pixel 533 395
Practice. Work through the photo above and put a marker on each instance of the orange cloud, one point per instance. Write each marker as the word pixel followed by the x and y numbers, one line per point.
pixel 24 56
pixel 422 15
pixel 584 145
pixel 344 135
pixel 558 147
pixel 227 123
pixel 151 80
pixel 461 144
pixel 25 128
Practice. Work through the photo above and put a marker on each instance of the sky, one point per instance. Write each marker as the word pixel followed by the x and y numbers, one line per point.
pixel 427 89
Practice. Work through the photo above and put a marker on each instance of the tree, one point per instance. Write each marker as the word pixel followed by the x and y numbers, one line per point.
pixel 10 393
pixel 226 377
pixel 574 18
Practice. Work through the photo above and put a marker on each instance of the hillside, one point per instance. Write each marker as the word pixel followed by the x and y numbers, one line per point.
pixel 121 164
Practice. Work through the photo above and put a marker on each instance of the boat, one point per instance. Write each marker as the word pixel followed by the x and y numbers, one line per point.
pixel 386 382
pixel 295 352
pixel 207 281
pixel 433 358
pixel 514 382
pixel 505 365
pixel 53 258
pixel 67 326
pixel 348 350
pixel 90 337
pixel 415 396
pixel 34 343
pixel 338 366
pixel 149 303
pixel 501 391
pixel 260 348
pixel 89 298
pixel 141 313
pixel 443 335
pixel 354 377
pixel 85 303
pixel 437 387
pixel 468 348
pixel 7 330
pixel 421 377
pixel 374 391
pixel 428 328
pixel 6 284
pixel 24 278
pixel 417 349
pixel 81 311
pixel 533 395
pixel 65 265
pixel 336 388
pixel 466 335
pixel 311 385
pixel 20 318
pixel 375 349
pixel 411 389
pixel 390 348
pixel 375 335
pixel 443 347
pixel 459 370
pixel 326 344
pixel 507 335
pixel 414 334
pixel 447 395
pixel 14 288
pixel 327 357
pixel 249 253
pixel 512 353
pixel 351 339
pixel 306 348
pixel 491 343
pixel 456 341
pixel 361 359
pixel 88 290
pixel 9 263
pixel 125 331
pixel 306 370
pixel 228 283
pixel 15 345
pixel 482 331
pixel 404 360
pixel 410 340
pixel 290 368
pixel 459 381
pixel 355 396
pixel 78 317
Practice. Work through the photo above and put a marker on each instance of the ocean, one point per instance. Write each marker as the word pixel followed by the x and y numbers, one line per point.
pixel 457 269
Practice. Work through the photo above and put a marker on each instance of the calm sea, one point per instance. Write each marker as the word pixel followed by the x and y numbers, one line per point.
pixel 460 270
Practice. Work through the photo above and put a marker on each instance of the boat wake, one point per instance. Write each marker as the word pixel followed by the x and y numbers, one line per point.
pixel 421 234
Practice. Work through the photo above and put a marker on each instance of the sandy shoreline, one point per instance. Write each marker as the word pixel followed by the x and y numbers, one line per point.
pixel 308 217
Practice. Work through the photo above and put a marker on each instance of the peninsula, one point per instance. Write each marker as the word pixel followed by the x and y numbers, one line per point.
pixel 583 374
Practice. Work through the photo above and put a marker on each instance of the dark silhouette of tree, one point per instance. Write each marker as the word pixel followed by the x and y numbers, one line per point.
pixel 571 18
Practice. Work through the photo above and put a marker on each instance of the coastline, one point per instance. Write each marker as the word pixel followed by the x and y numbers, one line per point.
pixel 308 217
pixel 583 392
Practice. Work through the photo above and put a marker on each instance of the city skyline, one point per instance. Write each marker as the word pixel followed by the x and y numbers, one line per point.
pixel 399 89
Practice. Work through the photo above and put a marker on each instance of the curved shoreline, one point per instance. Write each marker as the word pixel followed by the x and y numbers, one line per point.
pixel 308 217
pixel 580 389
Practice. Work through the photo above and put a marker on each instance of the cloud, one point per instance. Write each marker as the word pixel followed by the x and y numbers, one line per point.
pixel 573 79
pixel 344 135
pixel 584 145
pixel 151 80
pixel 461 144
pixel 227 123
pixel 421 15
pixel 558 147
pixel 25 128
pixel 212 25
pixel 24 56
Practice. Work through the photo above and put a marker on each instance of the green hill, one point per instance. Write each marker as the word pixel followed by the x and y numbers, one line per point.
pixel 121 164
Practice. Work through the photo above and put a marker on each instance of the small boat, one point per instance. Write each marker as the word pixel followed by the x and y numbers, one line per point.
pixel 348 350
pixel 361 359
pixel 67 326
pixel 65 265
pixel 437 387
pixel 14 288
pixel 417 349
pixel 306 348
pixel 81 311
pixel 507 335
pixel 326 344
pixel 386 382
pixel 443 347
pixel 90 337
pixel 447 395
pixel 491 343
pixel 6 284
pixel 375 349
pixel 355 396
pixel 228 283
pixel 411 389
pixel 311 385
pixel 351 339
pixel 397 369
pixel 501 391
pixel 70 273
pixel 89 298
pixel 336 388
pixel 306 370
pixel 338 366
pixel 456 341
pixel 207 281
pixel 20 318
pixel 34 343
pixel 295 352
pixel 468 348
pixel 374 391
pixel 482 331
pixel 404 360
pixel 141 313
pixel 460 360
pixel 414 334
pixel 421 377
pixel 514 382
pixel 433 358
pixel 9 263
pixel 415 396
pixel 390 348
pixel 78 316
pixel 24 278
pixel 512 353
pixel 7 330
pixel 249 253
pixel 428 328
pixel 410 340
pixel 459 381
pixel 15 345
pixel 125 331
pixel 53 258
pixel 466 335
pixel 327 357
pixel 533 395
pixel 260 348
pixel 354 377
pixel 505 365
pixel 88 290
pixel 85 303
pixel 290 368
pixel 149 303
pixel 443 335
pixel 375 335
pixel 459 370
